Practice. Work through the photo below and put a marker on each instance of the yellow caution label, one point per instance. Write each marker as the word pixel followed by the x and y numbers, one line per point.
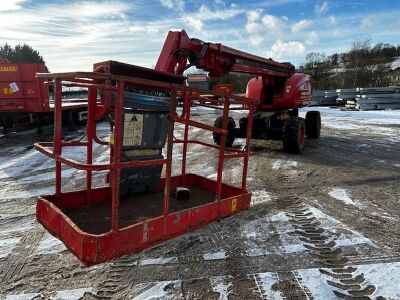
pixel 7 91
pixel 8 68
pixel 133 129
pixel 234 205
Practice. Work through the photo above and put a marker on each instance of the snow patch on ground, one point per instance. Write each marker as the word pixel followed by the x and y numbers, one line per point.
pixel 73 294
pixel 352 237
pixel 341 195
pixel 65 173
pixel 158 261
pixel 288 167
pixel 316 284
pixel 387 274
pixel 221 285
pixel 17 166
pixel 205 171
pixel 215 255
pixel 49 245
pixel 374 122
pixel 294 248
pixel 256 231
pixel 267 280
pixel 194 130
pixel 19 227
pixel 281 164
pixel 279 217
pixel 260 196
pixel 377 116
pixel 354 241
pixel 103 158
pixel 29 296
pixel 157 290
pixel 24 194
pixel 7 246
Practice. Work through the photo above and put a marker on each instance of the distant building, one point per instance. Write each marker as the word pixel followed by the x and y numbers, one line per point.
pixel 393 77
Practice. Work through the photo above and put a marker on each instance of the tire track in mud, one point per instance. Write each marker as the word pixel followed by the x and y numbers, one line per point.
pixel 346 282
pixel 20 257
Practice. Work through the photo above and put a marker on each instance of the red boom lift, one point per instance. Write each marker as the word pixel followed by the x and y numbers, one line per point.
pixel 138 208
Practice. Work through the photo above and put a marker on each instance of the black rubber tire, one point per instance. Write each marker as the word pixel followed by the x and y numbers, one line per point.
pixel 230 138
pixel 313 124
pixel 293 135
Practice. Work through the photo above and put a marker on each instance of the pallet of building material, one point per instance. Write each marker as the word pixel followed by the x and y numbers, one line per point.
pixel 366 107
pixel 378 106
pixel 317 97
pixel 349 108
pixel 350 105
pixel 341 101
pixel 378 90
pixel 385 96
pixel 347 93
pixel 347 96
pixel 329 98
pixel 344 95
pixel 388 106
pixel 378 100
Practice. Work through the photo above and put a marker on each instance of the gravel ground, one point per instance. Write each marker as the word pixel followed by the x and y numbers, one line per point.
pixel 322 225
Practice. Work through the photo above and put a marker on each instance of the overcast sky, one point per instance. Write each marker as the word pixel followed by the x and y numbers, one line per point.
pixel 72 35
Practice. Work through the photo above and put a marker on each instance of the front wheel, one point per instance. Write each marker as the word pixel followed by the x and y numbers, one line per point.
pixel 293 135
pixel 230 137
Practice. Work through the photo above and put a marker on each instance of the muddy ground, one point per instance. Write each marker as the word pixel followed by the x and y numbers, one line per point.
pixel 322 225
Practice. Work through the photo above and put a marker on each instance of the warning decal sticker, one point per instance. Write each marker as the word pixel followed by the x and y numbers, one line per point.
pixel 14 87
pixel 133 130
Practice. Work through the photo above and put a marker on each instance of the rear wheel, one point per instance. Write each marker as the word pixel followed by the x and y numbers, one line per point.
pixel 230 137
pixel 313 124
pixel 293 135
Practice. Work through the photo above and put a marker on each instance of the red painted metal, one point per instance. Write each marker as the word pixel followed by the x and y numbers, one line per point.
pixel 226 88
pixel 276 85
pixel 31 95
pixel 97 248
pixel 295 92
pixel 217 59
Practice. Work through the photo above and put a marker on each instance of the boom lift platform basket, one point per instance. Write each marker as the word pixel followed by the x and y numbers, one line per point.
pixel 98 224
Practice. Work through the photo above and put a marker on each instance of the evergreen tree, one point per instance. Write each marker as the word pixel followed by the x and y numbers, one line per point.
pixel 20 54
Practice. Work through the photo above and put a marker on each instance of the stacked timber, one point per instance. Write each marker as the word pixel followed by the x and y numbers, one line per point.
pixel 376 98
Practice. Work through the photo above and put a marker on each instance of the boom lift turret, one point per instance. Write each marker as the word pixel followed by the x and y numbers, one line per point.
pixel 278 89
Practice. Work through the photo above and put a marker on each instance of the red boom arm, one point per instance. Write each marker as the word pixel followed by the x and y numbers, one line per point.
pixel 216 59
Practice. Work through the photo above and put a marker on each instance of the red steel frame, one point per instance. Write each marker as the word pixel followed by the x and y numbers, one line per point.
pixel 97 248
pixel 33 95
